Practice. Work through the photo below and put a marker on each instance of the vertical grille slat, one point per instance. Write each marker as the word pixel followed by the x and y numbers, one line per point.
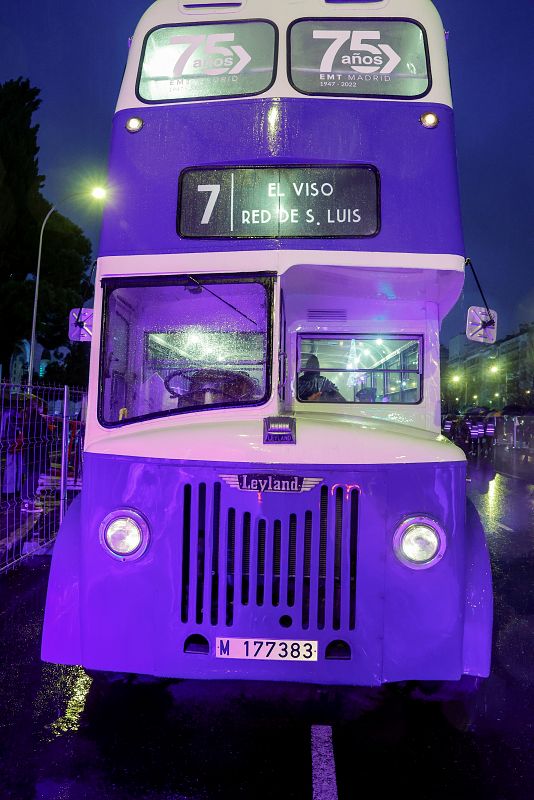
pixel 292 560
pixel 338 544
pixel 323 545
pixel 307 576
pixel 260 570
pixel 245 560
pixel 353 555
pixel 215 533
pixel 201 552
pixel 301 565
pixel 277 555
pixel 186 551
pixel 230 566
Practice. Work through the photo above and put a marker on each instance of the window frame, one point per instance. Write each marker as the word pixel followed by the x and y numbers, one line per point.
pixel 110 284
pixel 418 337
pixel 201 99
pixel 370 96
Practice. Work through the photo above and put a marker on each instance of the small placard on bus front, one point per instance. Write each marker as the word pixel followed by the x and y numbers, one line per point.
pixel 281 202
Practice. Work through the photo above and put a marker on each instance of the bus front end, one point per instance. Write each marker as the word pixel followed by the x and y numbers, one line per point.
pixel 267 495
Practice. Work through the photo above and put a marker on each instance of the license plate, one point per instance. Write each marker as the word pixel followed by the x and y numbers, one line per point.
pixel 267 649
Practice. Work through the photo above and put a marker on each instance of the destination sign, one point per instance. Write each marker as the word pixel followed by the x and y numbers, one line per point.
pixel 284 202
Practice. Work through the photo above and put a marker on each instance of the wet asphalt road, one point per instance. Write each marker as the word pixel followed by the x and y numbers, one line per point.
pixel 63 737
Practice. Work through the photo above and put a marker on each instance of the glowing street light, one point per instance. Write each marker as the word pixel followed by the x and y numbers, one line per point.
pixel 456 379
pixel 97 193
pixel 494 369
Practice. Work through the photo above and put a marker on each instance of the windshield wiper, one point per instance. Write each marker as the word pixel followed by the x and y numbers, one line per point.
pixel 226 303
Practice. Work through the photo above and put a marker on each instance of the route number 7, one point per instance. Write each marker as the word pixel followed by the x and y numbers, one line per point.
pixel 214 189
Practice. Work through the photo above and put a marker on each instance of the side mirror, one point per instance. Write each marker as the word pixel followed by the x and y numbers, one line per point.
pixel 481 325
pixel 81 325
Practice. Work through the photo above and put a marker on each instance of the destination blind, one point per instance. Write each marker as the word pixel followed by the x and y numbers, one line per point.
pixel 281 202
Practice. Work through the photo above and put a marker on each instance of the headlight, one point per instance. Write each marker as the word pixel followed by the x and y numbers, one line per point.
pixel 124 534
pixel 419 542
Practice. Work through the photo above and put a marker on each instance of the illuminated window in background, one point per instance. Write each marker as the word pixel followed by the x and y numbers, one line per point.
pixel 183 345
pixel 185 62
pixel 360 369
pixel 359 57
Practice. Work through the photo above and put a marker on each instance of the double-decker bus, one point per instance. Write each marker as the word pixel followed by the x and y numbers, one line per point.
pixel 267 494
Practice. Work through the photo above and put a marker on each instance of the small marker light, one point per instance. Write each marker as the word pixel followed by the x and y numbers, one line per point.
pixel 134 124
pixel 429 120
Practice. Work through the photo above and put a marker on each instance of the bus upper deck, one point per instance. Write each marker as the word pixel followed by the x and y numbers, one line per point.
pixel 345 106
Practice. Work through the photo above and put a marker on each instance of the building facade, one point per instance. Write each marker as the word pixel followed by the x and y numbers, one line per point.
pixel 493 376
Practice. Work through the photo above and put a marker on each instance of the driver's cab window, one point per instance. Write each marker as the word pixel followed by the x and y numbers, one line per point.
pixel 186 344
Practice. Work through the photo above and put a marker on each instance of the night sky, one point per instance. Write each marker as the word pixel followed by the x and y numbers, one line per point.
pixel 75 53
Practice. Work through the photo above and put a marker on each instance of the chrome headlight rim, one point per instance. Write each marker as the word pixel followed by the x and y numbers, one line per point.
pixel 413 521
pixel 141 523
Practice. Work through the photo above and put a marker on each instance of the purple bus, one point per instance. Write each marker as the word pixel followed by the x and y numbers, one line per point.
pixel 267 494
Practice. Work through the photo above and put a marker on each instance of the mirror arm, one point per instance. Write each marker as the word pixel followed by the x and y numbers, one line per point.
pixel 490 322
pixel 77 321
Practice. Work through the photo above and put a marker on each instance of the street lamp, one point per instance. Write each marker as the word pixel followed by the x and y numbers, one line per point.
pixel 98 193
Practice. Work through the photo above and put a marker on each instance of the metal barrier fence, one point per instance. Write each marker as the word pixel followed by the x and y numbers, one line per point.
pixel 41 446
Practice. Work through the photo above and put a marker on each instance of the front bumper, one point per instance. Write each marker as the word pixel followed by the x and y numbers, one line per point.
pixel 313 565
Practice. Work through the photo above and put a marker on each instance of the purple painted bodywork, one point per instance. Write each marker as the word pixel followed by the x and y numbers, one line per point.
pixel 420 206
pixel 432 624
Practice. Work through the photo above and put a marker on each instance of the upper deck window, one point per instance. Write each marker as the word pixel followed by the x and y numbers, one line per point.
pixel 222 59
pixel 359 58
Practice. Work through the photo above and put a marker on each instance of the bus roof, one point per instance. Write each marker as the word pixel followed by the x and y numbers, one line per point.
pixel 283 14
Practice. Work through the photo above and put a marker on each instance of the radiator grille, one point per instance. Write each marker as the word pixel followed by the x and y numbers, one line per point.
pixel 302 562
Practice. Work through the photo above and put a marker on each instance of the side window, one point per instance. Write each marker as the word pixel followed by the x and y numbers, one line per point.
pixel 222 59
pixel 359 369
pixel 359 57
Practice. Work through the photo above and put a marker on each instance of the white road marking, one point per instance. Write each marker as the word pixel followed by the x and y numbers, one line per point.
pixel 505 527
pixel 323 763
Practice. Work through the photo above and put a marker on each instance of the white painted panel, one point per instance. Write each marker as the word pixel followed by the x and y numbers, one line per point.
pixel 282 13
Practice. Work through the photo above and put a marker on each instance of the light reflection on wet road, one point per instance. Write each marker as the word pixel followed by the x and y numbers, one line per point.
pixel 65 737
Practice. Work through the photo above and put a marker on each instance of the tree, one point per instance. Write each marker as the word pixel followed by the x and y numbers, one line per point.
pixel 66 256
pixel 74 370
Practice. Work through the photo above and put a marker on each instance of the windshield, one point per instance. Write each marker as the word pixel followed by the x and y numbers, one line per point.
pixel 360 369
pixel 359 57
pixel 184 344
pixel 220 59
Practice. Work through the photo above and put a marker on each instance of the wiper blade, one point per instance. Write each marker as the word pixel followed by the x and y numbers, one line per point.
pixel 226 303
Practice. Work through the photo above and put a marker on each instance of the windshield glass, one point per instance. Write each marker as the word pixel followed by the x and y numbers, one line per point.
pixel 355 57
pixel 184 344
pixel 360 369
pixel 222 59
